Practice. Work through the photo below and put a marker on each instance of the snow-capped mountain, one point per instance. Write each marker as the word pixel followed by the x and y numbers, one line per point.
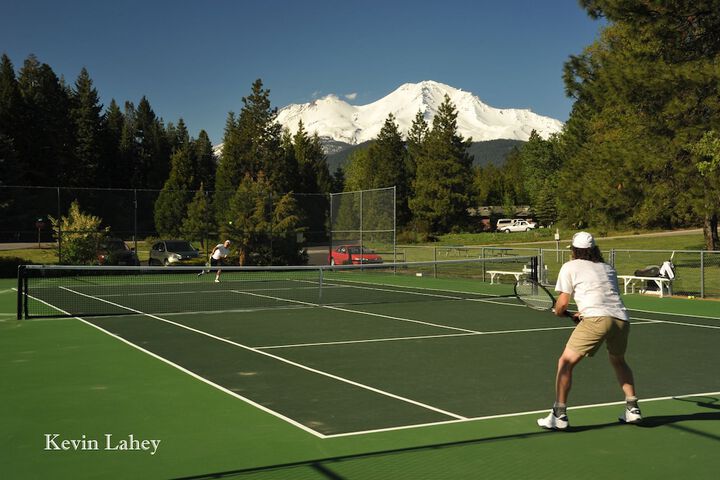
pixel 333 118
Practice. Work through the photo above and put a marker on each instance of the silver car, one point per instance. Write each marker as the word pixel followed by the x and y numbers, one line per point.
pixel 172 252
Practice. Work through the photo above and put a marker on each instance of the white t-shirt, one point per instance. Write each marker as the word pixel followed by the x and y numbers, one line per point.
pixel 594 287
pixel 220 252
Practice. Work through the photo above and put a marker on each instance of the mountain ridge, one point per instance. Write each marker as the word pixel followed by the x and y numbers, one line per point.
pixel 332 118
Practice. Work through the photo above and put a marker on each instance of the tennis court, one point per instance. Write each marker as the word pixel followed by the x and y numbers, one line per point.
pixel 431 373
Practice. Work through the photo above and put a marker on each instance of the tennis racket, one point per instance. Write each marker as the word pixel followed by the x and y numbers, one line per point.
pixel 537 297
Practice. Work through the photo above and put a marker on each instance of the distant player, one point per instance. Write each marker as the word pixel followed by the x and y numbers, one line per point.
pixel 217 258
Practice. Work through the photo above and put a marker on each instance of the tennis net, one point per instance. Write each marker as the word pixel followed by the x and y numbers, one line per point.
pixel 83 291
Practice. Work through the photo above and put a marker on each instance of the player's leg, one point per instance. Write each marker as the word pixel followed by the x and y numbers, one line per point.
pixel 617 342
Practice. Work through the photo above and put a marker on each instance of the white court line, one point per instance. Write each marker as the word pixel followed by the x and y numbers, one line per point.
pixel 684 324
pixel 397 339
pixel 238 310
pixel 192 374
pixel 194 292
pixel 361 312
pixel 369 340
pixel 676 314
pixel 404 292
pixel 508 415
pixel 284 360
pixel 457 420
pixel 351 282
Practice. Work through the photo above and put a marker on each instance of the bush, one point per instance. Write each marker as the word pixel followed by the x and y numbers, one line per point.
pixel 9 266
pixel 81 234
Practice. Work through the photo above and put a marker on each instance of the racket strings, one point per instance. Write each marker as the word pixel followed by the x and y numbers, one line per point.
pixel 534 296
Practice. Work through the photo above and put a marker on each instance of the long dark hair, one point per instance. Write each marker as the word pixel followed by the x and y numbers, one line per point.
pixel 592 254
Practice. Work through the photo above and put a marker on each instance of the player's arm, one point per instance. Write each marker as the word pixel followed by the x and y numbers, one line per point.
pixel 561 307
pixel 561 304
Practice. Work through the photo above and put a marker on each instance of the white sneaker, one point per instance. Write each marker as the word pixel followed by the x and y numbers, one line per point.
pixel 632 415
pixel 217 280
pixel 551 422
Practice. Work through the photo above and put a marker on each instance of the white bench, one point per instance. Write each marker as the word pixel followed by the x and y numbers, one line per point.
pixel 497 273
pixel 664 284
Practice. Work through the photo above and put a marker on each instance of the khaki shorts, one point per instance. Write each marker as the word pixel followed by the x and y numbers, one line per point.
pixel 589 335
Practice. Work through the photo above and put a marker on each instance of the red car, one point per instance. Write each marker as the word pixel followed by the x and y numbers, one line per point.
pixel 353 254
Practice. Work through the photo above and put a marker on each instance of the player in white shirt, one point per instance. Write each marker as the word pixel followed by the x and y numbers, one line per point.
pixel 601 317
pixel 217 257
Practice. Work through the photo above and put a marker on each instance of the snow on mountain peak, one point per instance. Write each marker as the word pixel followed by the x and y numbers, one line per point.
pixel 332 117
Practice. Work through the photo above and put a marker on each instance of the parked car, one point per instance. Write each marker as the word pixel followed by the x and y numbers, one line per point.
pixel 172 252
pixel 518 226
pixel 114 251
pixel 505 222
pixel 353 254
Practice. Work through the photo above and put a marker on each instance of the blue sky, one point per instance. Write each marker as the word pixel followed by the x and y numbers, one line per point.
pixel 197 59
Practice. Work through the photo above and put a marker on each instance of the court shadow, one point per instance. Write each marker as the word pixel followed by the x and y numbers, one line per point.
pixel 323 466
pixel 711 403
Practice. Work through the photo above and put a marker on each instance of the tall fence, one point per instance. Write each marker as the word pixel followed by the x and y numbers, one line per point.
pixel 365 217
pixel 697 272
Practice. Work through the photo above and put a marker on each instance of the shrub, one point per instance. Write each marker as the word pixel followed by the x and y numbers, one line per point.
pixel 81 235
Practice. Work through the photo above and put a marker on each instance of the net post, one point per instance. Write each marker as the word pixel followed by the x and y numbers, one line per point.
pixel 534 268
pixel 20 291
pixel 320 282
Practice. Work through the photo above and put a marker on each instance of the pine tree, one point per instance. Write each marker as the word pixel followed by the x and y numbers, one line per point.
pixel 153 150
pixel 443 176
pixel 206 162
pixel 314 181
pixel 177 136
pixel 388 157
pixel 198 222
pixel 645 92
pixel 229 172
pixel 358 170
pixel 114 171
pixel 46 142
pixel 89 123
pixel 12 168
pixel 338 180
pixel 284 230
pixel 12 123
pixel 252 144
pixel 248 213
pixel 416 138
pixel 172 203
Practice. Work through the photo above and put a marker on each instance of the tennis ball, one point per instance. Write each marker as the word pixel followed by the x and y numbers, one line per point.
pixel 230 222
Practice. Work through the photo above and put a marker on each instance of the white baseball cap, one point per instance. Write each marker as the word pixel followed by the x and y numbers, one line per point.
pixel 583 240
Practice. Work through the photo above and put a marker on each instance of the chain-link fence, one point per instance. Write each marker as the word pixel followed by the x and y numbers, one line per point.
pixel 364 218
pixel 137 216
pixel 697 272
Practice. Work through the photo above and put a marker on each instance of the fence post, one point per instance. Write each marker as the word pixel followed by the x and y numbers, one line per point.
pixel 702 274
pixel 59 228
pixel 135 207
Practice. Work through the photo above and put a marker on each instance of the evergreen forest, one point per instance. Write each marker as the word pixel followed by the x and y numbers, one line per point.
pixel 641 148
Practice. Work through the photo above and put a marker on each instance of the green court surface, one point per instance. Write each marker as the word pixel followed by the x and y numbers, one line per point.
pixel 433 383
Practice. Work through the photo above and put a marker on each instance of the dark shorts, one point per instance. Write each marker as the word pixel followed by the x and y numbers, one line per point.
pixel 217 263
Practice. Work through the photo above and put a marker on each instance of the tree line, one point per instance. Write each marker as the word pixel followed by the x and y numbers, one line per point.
pixel 641 148
pixel 55 134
